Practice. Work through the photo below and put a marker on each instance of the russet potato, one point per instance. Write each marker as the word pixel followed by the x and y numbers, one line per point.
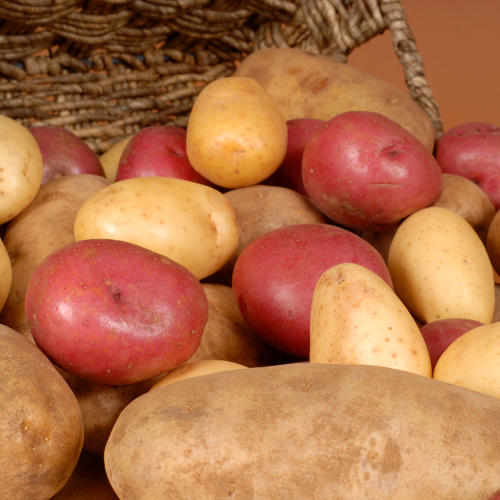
pixel 305 85
pixel 306 430
pixel 41 429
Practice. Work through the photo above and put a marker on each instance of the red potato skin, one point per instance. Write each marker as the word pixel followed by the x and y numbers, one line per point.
pixel 158 151
pixel 472 150
pixel 64 153
pixel 289 173
pixel 366 172
pixel 275 275
pixel 113 312
pixel 439 334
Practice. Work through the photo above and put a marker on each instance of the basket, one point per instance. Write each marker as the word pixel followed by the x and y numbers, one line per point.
pixel 106 68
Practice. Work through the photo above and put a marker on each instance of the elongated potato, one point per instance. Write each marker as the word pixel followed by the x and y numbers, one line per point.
pixel 5 274
pixel 306 430
pixel 357 318
pixel 190 223
pixel 440 267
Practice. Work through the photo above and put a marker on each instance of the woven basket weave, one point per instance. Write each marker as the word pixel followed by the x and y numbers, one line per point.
pixel 106 68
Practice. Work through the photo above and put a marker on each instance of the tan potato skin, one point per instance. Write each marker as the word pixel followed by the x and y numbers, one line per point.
pixel 43 227
pixel 315 86
pixel 227 336
pixel 466 198
pixel 306 430
pixel 41 430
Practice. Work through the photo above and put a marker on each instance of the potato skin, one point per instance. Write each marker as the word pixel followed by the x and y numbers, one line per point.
pixel 305 85
pixel 345 431
pixel 48 221
pixel 41 430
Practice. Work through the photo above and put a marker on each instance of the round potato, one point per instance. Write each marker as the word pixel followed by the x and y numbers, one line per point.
pixel 466 198
pixel 227 336
pixel 43 227
pixel 306 430
pixel 236 135
pixel 21 168
pixel 110 159
pixel 188 222
pixel 473 360
pixel 41 429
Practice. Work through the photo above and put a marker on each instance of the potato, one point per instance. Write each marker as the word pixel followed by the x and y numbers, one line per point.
pixel 275 274
pixel 21 168
pixel 100 405
pixel 473 360
pixel 364 171
pixel 227 336
pixel 305 85
pixel 261 208
pixel 472 149
pixel 43 227
pixel 357 318
pixel 110 159
pixel 440 267
pixel 41 430
pixel 188 222
pixel 113 312
pixel 236 135
pixel 196 369
pixel 306 430
pixel 466 198
pixel 64 153
pixel 493 241
pixel 5 274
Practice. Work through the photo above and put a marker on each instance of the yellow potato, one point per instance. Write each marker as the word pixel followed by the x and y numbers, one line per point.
pixel 5 274
pixel 473 360
pixel 356 318
pixel 111 158
pixel 190 223
pixel 196 369
pixel 440 267
pixel 21 167
pixel 236 135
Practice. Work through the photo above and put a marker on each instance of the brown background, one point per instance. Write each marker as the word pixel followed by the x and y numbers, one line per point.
pixel 459 41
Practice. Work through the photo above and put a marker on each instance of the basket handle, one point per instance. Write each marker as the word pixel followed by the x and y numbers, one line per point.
pixel 406 50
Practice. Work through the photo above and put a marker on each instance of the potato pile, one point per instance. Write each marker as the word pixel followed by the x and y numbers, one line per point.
pixel 293 297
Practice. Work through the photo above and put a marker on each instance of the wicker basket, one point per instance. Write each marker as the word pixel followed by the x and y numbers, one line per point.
pixel 106 68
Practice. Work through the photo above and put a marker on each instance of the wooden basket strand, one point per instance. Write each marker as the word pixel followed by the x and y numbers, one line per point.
pixel 106 68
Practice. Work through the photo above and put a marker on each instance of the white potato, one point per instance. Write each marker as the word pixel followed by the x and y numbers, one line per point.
pixel 110 159
pixel 473 360
pixel 356 318
pixel 21 167
pixel 440 267
pixel 190 223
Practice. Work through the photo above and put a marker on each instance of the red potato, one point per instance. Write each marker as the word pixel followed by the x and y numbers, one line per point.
pixel 289 173
pixel 64 153
pixel 472 150
pixel 275 274
pixel 439 334
pixel 113 312
pixel 366 172
pixel 158 151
